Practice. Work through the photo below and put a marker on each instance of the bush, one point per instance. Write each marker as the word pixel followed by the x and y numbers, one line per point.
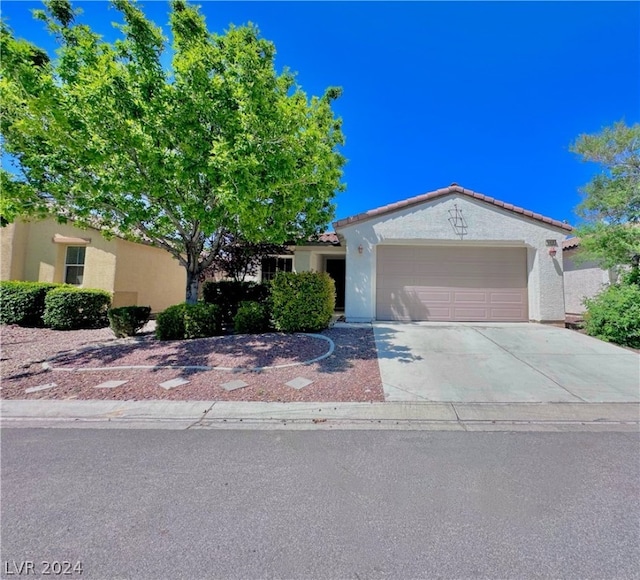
pixel 128 320
pixel 614 315
pixel 70 308
pixel 188 321
pixel 302 302
pixel 22 303
pixel 251 318
pixel 228 295
pixel 170 323
pixel 202 320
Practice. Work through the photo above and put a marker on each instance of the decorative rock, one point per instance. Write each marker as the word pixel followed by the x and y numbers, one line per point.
pixel 110 384
pixel 173 383
pixel 299 383
pixel 233 385
pixel 40 388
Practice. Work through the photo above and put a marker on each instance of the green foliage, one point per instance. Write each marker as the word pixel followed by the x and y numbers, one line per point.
pixel 70 308
pixel 128 320
pixel 22 303
pixel 229 294
pixel 611 204
pixel 170 323
pixel 178 155
pixel 614 315
pixel 182 321
pixel 252 318
pixel 302 302
pixel 202 320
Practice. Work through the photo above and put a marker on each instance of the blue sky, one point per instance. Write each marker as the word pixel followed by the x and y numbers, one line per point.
pixel 488 95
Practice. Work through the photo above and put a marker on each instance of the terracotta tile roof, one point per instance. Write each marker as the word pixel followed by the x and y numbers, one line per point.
pixel 324 239
pixel 570 243
pixel 454 188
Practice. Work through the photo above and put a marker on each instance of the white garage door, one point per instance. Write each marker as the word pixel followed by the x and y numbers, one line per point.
pixel 446 283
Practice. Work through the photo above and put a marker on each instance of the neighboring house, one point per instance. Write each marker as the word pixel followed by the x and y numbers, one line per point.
pixel 581 279
pixel 136 274
pixel 448 255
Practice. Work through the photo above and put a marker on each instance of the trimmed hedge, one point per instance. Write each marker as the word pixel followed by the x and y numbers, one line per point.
pixel 22 303
pixel 70 308
pixel 182 321
pixel 202 320
pixel 170 323
pixel 229 294
pixel 128 320
pixel 252 318
pixel 614 315
pixel 303 301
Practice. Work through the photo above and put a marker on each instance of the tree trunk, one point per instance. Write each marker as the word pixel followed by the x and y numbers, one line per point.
pixel 193 284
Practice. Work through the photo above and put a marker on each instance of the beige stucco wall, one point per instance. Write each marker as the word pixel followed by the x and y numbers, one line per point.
pixel 147 276
pixel 429 223
pixel 13 242
pixel 133 273
pixel 35 256
pixel 582 280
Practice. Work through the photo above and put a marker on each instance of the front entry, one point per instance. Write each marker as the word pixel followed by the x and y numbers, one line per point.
pixel 335 267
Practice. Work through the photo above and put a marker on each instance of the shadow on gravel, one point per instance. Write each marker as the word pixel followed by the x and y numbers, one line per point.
pixel 241 352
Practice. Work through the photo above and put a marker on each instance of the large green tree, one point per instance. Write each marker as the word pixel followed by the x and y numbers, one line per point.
pixel 182 156
pixel 611 204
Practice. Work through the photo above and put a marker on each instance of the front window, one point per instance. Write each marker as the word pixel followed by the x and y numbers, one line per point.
pixel 272 265
pixel 74 265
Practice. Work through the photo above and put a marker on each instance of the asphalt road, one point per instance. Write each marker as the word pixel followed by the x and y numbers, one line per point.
pixel 315 504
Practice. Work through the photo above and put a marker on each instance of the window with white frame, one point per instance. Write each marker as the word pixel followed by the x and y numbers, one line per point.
pixel 271 265
pixel 74 265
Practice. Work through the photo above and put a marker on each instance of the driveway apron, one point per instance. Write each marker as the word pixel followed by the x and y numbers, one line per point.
pixel 496 362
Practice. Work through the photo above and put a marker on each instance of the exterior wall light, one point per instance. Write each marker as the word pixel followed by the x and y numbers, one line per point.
pixel 360 249
pixel 553 251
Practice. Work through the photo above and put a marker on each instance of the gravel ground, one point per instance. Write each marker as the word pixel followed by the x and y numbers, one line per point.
pixel 349 374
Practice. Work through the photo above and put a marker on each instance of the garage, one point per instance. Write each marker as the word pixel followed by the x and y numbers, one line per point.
pixel 451 283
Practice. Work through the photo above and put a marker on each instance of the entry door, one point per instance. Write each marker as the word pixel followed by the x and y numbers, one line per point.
pixel 335 267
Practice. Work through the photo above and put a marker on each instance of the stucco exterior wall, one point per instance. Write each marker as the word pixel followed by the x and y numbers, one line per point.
pixel 147 276
pixel 13 243
pixel 312 258
pixel 480 224
pixel 581 280
pixel 35 256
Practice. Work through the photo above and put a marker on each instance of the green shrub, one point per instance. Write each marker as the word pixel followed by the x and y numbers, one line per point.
pixel 22 303
pixel 128 320
pixel 170 323
pixel 614 315
pixel 252 318
pixel 229 294
pixel 302 302
pixel 202 320
pixel 70 308
pixel 188 321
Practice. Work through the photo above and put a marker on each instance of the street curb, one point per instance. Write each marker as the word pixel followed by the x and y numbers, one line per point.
pixel 197 415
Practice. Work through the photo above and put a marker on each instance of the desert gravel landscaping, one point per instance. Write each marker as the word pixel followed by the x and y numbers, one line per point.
pixel 349 373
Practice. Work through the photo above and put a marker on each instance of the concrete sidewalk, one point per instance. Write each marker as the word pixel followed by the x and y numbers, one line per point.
pixel 389 415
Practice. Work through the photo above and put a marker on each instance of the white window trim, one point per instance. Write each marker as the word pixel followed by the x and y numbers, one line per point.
pixel 67 264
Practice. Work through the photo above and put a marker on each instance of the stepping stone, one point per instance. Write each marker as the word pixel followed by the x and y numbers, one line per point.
pixel 173 383
pixel 298 383
pixel 233 385
pixel 40 388
pixel 110 384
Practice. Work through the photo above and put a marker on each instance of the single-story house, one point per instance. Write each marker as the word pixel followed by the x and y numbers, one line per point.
pixel 582 279
pixel 135 274
pixel 447 255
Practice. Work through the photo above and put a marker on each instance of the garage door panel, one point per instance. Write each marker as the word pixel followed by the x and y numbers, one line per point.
pixel 446 283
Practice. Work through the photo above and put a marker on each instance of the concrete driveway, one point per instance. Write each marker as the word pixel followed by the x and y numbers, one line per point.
pixel 494 362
